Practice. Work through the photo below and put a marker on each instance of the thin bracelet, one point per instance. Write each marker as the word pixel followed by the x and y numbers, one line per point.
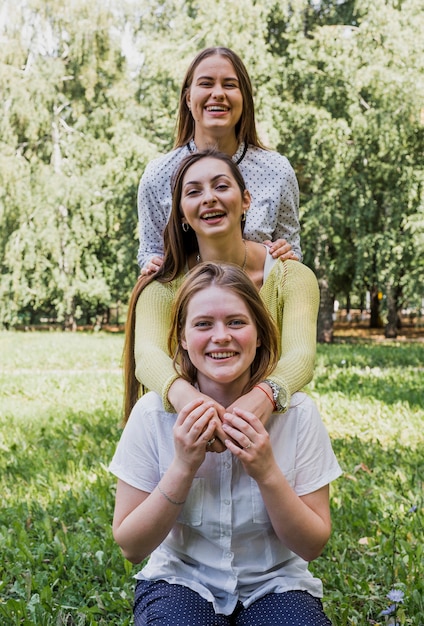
pixel 268 396
pixel 170 499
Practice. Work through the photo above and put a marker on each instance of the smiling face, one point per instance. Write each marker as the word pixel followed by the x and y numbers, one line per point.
pixel 221 339
pixel 212 202
pixel 215 98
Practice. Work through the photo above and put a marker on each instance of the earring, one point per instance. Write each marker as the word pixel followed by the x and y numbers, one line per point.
pixel 185 227
pixel 243 217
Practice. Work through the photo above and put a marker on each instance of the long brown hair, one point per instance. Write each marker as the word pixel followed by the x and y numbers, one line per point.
pixel 245 127
pixel 232 278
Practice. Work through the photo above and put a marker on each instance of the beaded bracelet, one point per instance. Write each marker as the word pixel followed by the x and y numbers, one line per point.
pixel 267 395
pixel 170 499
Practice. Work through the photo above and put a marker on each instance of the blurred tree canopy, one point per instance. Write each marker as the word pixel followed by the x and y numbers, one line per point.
pixel 89 95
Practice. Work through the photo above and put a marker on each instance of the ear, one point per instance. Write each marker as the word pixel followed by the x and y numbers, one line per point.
pixel 183 342
pixel 246 200
pixel 258 342
pixel 187 99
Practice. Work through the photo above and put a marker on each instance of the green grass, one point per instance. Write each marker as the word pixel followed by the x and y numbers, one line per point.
pixel 60 402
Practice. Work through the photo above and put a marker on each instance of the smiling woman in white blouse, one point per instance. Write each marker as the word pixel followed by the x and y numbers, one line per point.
pixel 229 535
pixel 216 111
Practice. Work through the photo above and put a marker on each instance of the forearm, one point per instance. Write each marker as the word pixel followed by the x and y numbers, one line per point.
pixel 147 525
pixel 297 526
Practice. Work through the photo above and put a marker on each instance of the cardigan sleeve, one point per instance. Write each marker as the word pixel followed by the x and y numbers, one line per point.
pixel 291 294
pixel 154 368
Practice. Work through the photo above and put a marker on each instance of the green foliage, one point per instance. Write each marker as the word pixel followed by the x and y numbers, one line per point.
pixel 90 94
pixel 60 406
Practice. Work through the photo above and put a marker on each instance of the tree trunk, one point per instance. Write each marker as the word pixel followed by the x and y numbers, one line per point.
pixel 325 315
pixel 393 317
pixel 375 321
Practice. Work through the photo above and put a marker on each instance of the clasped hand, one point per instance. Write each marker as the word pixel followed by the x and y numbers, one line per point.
pixel 241 432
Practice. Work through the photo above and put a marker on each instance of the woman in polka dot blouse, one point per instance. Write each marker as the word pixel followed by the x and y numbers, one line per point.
pixel 217 110
pixel 229 535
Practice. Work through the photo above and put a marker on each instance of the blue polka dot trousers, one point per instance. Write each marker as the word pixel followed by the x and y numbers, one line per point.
pixel 159 603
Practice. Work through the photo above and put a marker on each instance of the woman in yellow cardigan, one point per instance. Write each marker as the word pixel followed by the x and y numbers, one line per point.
pixel 209 207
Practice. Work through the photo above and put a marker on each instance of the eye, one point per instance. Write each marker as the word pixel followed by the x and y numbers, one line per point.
pixel 222 187
pixel 192 192
pixel 237 323
pixel 231 85
pixel 202 324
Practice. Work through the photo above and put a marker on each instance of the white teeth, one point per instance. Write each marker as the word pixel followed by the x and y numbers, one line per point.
pixel 206 216
pixel 221 355
pixel 216 108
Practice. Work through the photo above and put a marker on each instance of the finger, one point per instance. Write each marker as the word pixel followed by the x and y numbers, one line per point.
pixel 189 409
pixel 244 422
pixel 203 426
pixel 281 251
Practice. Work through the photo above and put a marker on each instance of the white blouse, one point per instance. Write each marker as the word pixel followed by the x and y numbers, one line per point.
pixel 223 545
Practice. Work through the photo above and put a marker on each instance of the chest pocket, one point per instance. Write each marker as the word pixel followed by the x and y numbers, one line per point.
pixel 259 512
pixel 192 511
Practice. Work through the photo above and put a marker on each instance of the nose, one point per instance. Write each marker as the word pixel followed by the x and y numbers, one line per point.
pixel 217 91
pixel 221 334
pixel 209 196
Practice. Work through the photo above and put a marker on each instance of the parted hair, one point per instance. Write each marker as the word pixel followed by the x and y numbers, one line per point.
pixel 232 278
pixel 246 126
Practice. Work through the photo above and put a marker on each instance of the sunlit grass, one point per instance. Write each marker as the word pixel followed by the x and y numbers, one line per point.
pixel 60 403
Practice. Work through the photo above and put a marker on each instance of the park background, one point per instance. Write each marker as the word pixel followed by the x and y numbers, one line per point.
pixel 89 94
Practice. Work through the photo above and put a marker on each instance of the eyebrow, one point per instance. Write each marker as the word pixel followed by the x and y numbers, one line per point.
pixel 196 182
pixel 211 316
pixel 213 78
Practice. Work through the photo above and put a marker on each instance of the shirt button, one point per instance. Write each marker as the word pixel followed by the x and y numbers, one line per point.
pixel 226 502
pixel 229 555
pixel 227 465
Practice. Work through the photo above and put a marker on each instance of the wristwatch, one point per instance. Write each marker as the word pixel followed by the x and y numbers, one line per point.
pixel 279 394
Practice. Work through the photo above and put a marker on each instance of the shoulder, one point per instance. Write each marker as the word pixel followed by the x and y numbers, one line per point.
pixel 155 301
pixel 164 165
pixel 304 412
pixel 157 289
pixel 266 159
pixel 288 271
pixel 146 411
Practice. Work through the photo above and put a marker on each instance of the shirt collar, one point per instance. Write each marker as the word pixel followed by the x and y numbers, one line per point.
pixel 237 157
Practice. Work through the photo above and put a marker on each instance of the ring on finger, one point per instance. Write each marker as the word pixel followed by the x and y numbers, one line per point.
pixel 249 445
pixel 211 441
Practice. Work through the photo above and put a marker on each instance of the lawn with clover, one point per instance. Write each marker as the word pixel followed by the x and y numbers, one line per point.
pixel 60 403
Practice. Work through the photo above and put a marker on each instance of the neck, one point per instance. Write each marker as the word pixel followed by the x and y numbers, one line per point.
pixel 226 251
pixel 224 393
pixel 227 143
